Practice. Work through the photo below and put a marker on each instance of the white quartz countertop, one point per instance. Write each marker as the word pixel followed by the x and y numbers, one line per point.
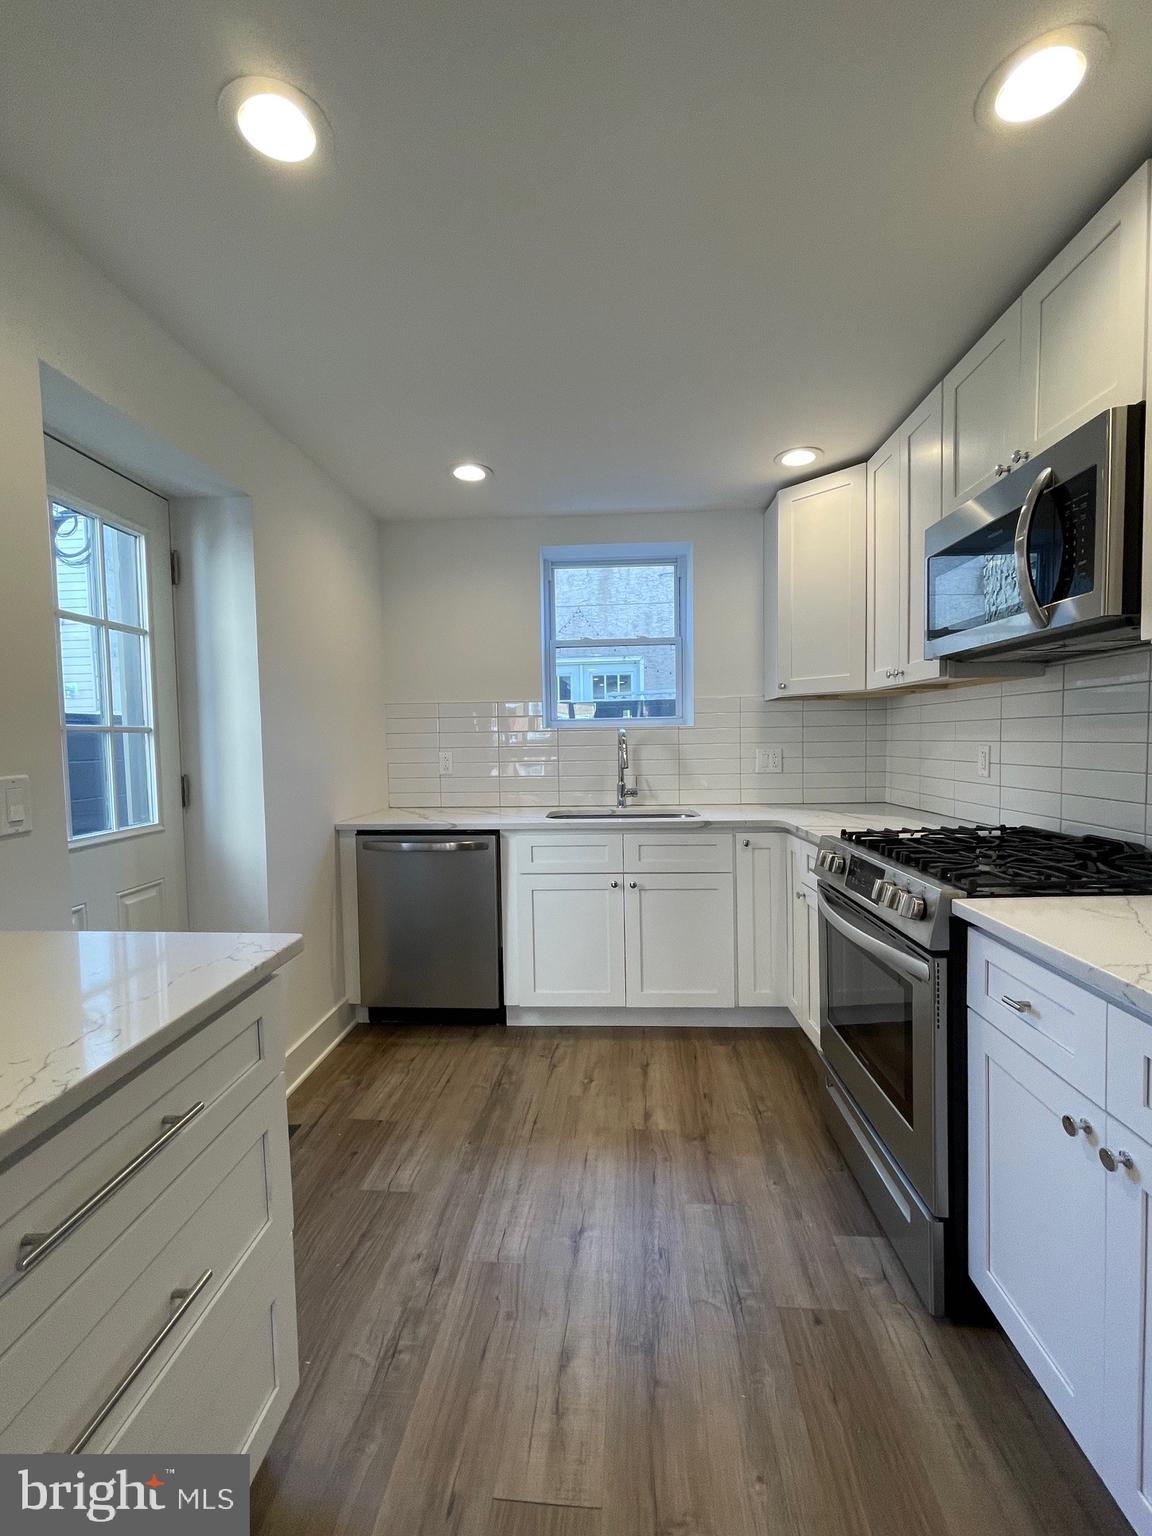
pixel 1103 941
pixel 79 1011
pixel 810 821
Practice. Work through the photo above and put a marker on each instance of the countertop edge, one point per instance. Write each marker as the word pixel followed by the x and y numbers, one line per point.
pixel 15 1140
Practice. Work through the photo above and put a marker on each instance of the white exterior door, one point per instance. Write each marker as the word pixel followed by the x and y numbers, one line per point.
pixel 982 416
pixel 1127 1441
pixel 1084 321
pixel 761 892
pixel 1037 1221
pixel 570 941
pixel 120 737
pixel 680 941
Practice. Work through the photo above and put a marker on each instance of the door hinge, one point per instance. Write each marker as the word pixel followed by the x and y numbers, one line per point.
pixel 175 559
pixel 185 791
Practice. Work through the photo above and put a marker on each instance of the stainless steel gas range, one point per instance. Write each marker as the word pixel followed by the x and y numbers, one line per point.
pixel 892 1012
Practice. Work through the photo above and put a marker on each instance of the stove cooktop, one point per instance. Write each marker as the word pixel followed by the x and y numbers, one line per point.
pixel 1015 861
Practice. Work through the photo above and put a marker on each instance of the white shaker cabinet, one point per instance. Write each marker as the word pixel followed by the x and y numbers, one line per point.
pixel 1037 1220
pixel 903 501
pixel 816 559
pixel 1083 322
pixel 1126 1449
pixel 570 940
pixel 761 900
pixel 803 940
pixel 982 411
pixel 679 941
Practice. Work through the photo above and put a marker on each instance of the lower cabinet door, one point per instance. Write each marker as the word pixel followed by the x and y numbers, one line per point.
pixel 760 938
pixel 1038 1194
pixel 810 1022
pixel 799 964
pixel 680 947
pixel 1127 1438
pixel 570 941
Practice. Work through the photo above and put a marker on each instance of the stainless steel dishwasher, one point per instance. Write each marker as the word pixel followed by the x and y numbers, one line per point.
pixel 429 908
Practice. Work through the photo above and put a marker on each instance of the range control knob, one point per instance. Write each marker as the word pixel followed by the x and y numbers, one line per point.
pixel 882 892
pixel 835 864
pixel 910 905
pixel 823 859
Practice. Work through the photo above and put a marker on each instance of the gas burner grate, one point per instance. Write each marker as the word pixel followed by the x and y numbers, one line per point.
pixel 1015 861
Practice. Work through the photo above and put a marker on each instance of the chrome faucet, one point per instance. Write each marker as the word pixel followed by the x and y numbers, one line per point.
pixel 624 792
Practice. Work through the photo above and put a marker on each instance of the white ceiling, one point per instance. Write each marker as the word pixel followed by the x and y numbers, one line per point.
pixel 622 250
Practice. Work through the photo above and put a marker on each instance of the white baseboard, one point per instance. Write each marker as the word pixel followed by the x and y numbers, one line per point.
pixel 310 1050
pixel 651 1018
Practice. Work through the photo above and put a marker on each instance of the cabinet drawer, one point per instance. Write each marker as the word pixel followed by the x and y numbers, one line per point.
pixel 222 1066
pixel 1054 1020
pixel 803 862
pixel 1130 1071
pixel 231 1377
pixel 577 853
pixel 234 1197
pixel 678 853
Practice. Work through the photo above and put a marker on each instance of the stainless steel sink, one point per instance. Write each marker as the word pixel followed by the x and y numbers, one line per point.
pixel 630 813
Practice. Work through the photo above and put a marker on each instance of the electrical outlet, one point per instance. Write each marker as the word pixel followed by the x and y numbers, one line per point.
pixel 445 763
pixel 984 763
pixel 769 759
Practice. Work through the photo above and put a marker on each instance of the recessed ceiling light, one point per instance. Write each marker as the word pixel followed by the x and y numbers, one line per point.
pixel 1040 77
pixel 472 472
pixel 796 458
pixel 274 119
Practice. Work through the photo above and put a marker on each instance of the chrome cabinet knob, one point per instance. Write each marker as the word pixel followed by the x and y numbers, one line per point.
pixel 631 885
pixel 615 884
pixel 1074 1127
pixel 1003 469
pixel 1019 455
pixel 747 842
pixel 781 685
pixel 1113 1160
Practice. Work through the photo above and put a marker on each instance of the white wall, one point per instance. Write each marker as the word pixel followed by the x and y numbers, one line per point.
pixel 462 599
pixel 317 601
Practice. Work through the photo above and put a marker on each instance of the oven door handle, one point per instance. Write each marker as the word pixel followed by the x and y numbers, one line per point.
pixel 1039 615
pixel 907 965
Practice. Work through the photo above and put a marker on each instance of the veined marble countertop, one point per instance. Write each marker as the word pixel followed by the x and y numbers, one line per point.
pixel 1103 941
pixel 810 821
pixel 79 1011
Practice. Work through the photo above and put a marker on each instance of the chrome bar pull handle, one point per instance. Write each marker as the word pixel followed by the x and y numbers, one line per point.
pixel 1017 1004
pixel 182 1300
pixel 35 1246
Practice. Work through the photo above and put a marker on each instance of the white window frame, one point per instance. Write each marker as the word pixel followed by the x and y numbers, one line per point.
pixel 556 555
pixel 105 626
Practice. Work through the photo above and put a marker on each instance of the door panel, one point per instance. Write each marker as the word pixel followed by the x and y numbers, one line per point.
pixel 886 565
pixel 132 879
pixel 680 941
pixel 570 941
pixel 1127 1446
pixel 981 408
pixel 921 441
pixel 761 898
pixel 822 548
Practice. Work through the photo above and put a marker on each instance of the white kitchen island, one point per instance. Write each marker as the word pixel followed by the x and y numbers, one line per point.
pixel 146 1269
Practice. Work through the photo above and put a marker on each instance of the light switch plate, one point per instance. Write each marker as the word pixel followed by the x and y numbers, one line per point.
pixel 15 805
pixel 984 763
pixel 769 759
pixel 445 763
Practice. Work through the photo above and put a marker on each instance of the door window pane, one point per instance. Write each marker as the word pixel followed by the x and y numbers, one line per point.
pixel 134 779
pixel 89 783
pixel 75 551
pixel 129 678
pixel 122 576
pixel 82 672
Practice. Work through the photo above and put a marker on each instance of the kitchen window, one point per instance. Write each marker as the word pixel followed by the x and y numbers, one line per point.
pixel 617 631
pixel 105 656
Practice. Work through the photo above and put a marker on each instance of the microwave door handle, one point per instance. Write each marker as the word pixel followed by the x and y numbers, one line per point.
pixel 1039 615
pixel 906 965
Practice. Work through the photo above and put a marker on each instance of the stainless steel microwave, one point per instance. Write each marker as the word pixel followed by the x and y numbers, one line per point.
pixel 1047 560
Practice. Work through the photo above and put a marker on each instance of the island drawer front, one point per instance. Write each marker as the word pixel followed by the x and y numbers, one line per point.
pixel 1130 1071
pixel 230 1379
pixel 569 853
pixel 678 853
pixel 224 1066
pixel 1053 1019
pixel 235 1198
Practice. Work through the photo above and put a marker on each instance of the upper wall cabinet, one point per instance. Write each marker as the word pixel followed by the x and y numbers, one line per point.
pixel 1069 348
pixel 815 586
pixel 903 500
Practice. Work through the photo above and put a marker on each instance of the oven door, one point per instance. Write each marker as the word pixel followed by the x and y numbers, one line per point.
pixel 882 1021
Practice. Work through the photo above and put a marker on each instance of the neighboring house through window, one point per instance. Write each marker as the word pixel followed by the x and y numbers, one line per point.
pixel 617 628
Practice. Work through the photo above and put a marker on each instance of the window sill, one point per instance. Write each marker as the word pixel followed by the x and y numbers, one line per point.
pixel 99 839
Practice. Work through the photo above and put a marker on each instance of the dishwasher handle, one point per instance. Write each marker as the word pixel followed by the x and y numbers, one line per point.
pixel 404 845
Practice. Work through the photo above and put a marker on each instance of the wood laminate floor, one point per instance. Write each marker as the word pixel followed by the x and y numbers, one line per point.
pixel 618 1283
